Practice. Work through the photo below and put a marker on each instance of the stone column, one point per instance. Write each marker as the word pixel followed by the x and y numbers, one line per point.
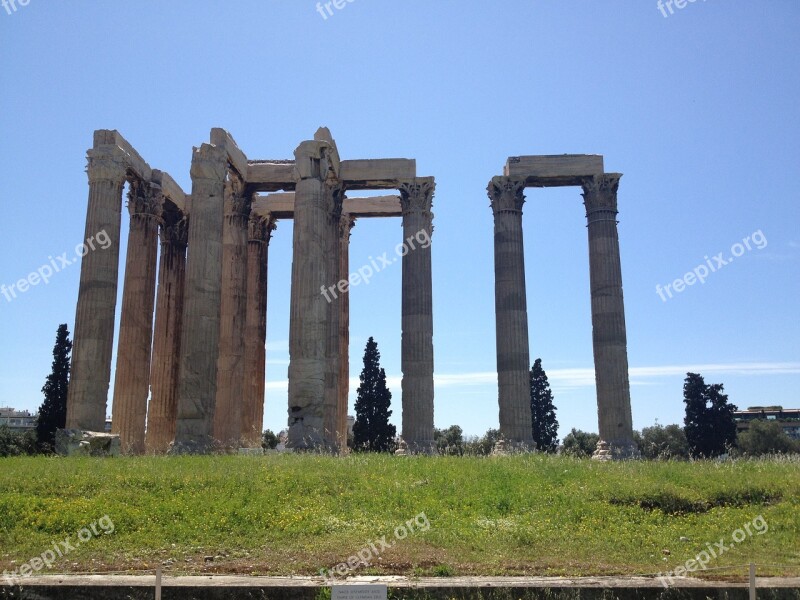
pixel 132 378
pixel 416 198
pixel 162 411
pixel 93 336
pixel 333 434
pixel 608 315
pixel 233 314
pixel 511 312
pixel 255 337
pixel 345 225
pixel 308 320
pixel 201 315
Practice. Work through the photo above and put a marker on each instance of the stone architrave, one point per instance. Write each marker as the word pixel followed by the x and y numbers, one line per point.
pixel 162 411
pixel 513 354
pixel 259 233
pixel 201 316
pixel 608 315
pixel 132 378
pixel 93 337
pixel 416 197
pixel 233 311
pixel 308 323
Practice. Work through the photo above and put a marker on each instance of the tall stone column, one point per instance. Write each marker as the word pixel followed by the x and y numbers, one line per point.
pixel 165 366
pixel 333 433
pixel 255 337
pixel 201 315
pixel 233 314
pixel 511 311
pixel 132 379
pixel 608 315
pixel 93 336
pixel 308 321
pixel 416 198
pixel 345 225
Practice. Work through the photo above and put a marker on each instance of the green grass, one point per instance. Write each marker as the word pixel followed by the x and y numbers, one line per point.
pixel 297 514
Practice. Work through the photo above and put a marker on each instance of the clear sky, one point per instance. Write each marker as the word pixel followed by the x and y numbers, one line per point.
pixel 697 107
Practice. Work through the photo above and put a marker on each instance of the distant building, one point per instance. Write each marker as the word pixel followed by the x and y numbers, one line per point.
pixel 788 418
pixel 19 420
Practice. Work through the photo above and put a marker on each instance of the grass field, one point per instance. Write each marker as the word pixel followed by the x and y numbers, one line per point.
pixel 297 514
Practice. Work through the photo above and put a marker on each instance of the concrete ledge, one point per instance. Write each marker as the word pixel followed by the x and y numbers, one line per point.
pixel 117 587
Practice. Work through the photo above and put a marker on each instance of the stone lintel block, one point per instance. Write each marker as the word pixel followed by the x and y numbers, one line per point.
pixel 220 137
pixel 110 140
pixel 378 206
pixel 278 205
pixel 171 189
pixel 75 442
pixel 378 173
pixel 554 170
pixel 270 177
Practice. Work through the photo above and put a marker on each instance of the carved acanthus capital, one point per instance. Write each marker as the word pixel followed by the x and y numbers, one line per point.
pixel 334 199
pixel 506 194
pixel 600 195
pixel 209 163
pixel 346 223
pixel 416 195
pixel 260 228
pixel 105 166
pixel 237 202
pixel 175 231
pixel 144 199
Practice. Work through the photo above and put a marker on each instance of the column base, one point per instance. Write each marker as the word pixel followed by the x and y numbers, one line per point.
pixel 505 447
pixel 77 442
pixel 309 439
pixel 618 450
pixel 206 445
pixel 426 447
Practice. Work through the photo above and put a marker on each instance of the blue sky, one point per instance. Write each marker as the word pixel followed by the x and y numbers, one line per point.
pixel 697 109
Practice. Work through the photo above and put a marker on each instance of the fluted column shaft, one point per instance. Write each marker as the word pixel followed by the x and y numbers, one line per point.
pixel 132 378
pixel 333 434
pixel 608 314
pixel 346 224
pixel 260 231
pixel 165 366
pixel 511 311
pixel 308 321
pixel 201 317
pixel 233 314
pixel 416 198
pixel 93 335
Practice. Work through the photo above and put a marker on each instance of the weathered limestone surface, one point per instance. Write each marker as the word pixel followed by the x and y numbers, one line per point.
pixel 132 379
pixel 608 315
pixel 259 233
pixel 74 442
pixel 554 170
pixel 417 315
pixel 316 161
pixel 233 310
pixel 163 408
pixel 375 174
pixel 511 311
pixel 346 224
pixel 201 319
pixel 97 295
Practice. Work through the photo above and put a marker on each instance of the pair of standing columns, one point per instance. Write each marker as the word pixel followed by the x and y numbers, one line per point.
pixel 608 313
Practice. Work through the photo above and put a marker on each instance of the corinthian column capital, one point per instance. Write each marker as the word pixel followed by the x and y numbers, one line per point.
pixel 175 231
pixel 237 202
pixel 416 195
pixel 506 194
pixel 600 196
pixel 144 200
pixel 260 228
pixel 105 166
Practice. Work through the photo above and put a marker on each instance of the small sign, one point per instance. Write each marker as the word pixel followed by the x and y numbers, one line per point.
pixel 359 592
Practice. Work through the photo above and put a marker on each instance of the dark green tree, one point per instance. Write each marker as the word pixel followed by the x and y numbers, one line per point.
pixel 580 444
pixel 372 431
pixel 663 443
pixel 269 441
pixel 450 440
pixel 53 411
pixel 543 413
pixel 709 424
